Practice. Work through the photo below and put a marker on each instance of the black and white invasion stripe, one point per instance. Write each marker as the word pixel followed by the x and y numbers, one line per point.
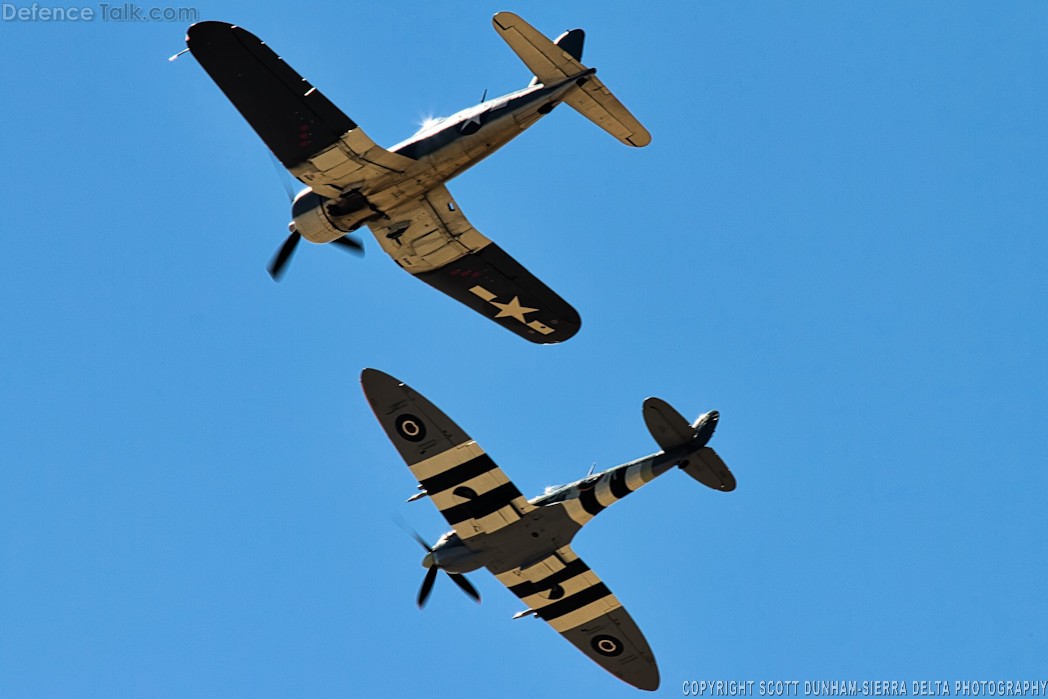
pixel 562 590
pixel 470 490
pixel 611 486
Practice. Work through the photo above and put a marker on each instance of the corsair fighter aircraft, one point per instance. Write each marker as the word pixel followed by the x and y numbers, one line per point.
pixel 399 193
pixel 526 544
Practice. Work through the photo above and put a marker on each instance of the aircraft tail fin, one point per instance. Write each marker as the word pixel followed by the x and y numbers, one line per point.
pixel 552 62
pixel 570 41
pixel 672 431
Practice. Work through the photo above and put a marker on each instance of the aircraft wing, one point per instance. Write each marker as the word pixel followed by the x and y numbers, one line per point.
pixel 566 594
pixel 432 239
pixel 472 493
pixel 319 144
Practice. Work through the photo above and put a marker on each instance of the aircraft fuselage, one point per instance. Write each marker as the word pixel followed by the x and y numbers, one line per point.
pixel 462 140
pixel 440 152
pixel 562 513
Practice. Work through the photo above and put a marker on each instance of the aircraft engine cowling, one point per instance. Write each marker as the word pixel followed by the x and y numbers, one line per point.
pixel 321 220
pixel 454 559
pixel 309 217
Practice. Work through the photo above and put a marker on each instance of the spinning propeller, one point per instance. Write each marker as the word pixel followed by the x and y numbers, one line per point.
pixel 283 255
pixel 431 575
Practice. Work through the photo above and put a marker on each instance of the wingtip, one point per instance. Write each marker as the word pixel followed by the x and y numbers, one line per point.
pixel 650 687
pixel 503 20
pixel 567 328
pixel 375 379
pixel 639 140
pixel 648 679
pixel 208 25
pixel 207 31
pixel 369 375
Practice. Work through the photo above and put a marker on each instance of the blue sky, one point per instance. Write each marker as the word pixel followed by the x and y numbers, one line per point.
pixel 836 239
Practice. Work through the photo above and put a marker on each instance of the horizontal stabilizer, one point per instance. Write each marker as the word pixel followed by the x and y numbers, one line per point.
pixel 572 42
pixel 595 102
pixel 706 466
pixel 672 431
pixel 667 426
pixel 552 63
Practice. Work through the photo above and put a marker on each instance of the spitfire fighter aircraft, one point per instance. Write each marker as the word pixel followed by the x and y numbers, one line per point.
pixel 526 544
pixel 399 193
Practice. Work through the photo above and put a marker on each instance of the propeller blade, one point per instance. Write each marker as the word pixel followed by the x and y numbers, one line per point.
pixel 277 264
pixel 427 586
pixel 399 521
pixel 285 179
pixel 349 244
pixel 466 586
pixel 421 542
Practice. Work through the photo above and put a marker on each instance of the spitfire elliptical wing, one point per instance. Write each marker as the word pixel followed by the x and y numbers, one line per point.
pixel 563 591
pixel 472 493
pixel 527 544
pixel 433 240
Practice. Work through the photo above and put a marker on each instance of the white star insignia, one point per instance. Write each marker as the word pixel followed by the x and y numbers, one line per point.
pixel 513 309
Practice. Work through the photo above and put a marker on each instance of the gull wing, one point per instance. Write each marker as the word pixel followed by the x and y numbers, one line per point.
pixel 432 239
pixel 563 591
pixel 313 138
pixel 472 493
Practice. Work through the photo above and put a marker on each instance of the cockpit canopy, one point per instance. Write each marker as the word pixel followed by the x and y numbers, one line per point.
pixel 559 493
